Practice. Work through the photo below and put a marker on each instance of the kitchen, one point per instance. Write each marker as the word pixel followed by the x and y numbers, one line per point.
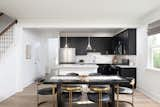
pixel 105 53
pixel 66 51
pixel 79 53
pixel 107 48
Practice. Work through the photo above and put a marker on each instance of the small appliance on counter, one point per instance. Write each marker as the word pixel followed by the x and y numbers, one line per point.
pixel 120 61
pixel 125 61
pixel 81 61
pixel 67 55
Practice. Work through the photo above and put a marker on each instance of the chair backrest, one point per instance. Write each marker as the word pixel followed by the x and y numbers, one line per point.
pixel 71 85
pixel 39 79
pixel 95 74
pixel 97 86
pixel 72 74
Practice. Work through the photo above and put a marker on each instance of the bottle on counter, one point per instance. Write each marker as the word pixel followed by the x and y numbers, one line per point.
pixel 115 60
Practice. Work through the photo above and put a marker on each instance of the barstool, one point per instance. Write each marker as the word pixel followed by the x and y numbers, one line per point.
pixel 100 93
pixel 45 91
pixel 74 94
pixel 71 92
pixel 126 91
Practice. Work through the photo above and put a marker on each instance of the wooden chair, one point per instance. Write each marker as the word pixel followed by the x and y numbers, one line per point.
pixel 71 92
pixel 51 90
pixel 99 93
pixel 126 90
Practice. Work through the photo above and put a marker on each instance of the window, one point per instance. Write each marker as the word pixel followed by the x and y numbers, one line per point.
pixel 154 51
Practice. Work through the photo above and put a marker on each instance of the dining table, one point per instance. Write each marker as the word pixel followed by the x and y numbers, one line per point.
pixel 59 80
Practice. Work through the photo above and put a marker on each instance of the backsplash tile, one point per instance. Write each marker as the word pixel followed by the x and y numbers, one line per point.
pixel 104 59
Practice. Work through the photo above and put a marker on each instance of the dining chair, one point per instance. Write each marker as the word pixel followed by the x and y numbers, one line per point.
pixel 51 90
pixel 99 93
pixel 71 92
pixel 126 90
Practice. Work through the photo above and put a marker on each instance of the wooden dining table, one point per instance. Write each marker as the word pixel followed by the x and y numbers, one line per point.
pixel 91 80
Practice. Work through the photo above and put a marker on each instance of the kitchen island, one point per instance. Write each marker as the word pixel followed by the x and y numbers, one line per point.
pixel 81 69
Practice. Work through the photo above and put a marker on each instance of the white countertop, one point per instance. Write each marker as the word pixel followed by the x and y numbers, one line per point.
pixel 126 66
pixel 81 69
pixel 87 65
pixel 78 66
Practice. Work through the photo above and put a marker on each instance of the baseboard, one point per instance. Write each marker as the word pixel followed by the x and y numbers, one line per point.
pixel 7 96
pixel 14 92
pixel 19 90
pixel 27 84
pixel 149 94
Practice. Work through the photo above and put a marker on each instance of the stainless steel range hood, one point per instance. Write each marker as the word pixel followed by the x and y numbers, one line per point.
pixel 67 55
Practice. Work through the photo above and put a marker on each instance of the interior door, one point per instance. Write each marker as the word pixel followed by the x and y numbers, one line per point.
pixel 53 55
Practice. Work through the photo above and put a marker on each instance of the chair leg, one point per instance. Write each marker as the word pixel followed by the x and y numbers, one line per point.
pixel 133 99
pixel 37 95
pixel 53 92
pixel 133 95
pixel 70 98
pixel 37 100
pixel 107 104
pixel 117 104
pixel 100 99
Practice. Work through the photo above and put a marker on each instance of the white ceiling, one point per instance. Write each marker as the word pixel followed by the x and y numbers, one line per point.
pixel 78 32
pixel 132 10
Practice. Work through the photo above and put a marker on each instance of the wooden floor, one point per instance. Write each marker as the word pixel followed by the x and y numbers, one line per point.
pixel 27 98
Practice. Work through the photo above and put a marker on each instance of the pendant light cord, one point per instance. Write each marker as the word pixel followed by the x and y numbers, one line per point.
pixel 89 42
pixel 66 44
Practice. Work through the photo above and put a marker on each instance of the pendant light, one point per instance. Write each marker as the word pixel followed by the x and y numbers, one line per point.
pixel 89 48
pixel 66 43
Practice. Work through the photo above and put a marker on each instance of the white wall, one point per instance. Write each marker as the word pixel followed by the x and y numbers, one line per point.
pixel 8 73
pixel 148 79
pixel 53 55
pixel 37 65
pixel 15 71
pixel 40 60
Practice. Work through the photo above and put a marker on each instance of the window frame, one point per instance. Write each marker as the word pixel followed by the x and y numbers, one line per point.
pixel 151 48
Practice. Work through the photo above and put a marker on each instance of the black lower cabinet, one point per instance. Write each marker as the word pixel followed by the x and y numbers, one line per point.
pixel 108 69
pixel 127 73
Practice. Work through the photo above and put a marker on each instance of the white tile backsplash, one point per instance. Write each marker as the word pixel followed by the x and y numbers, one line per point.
pixel 104 59
pixel 95 58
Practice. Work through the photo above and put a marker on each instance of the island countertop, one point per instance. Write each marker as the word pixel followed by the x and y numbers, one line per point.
pixel 81 69
pixel 126 66
pixel 78 66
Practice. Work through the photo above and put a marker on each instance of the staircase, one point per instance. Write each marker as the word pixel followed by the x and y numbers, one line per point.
pixel 6 33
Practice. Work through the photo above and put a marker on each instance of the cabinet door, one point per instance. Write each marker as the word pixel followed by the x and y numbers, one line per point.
pixel 132 42
pixel 117 45
pixel 114 44
pixel 128 39
pixel 125 42
pixel 120 44
pixel 102 44
pixel 80 43
pixel 128 72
